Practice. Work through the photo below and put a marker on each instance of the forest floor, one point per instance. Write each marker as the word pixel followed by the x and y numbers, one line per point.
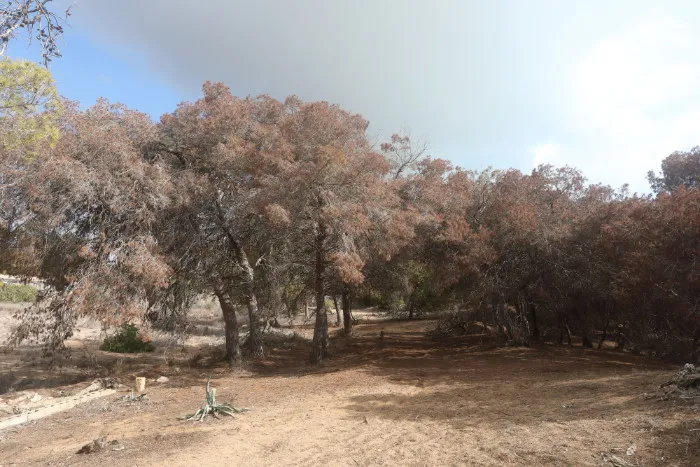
pixel 401 400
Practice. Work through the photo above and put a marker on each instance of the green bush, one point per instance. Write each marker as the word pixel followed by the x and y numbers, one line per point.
pixel 386 300
pixel 368 299
pixel 126 340
pixel 17 293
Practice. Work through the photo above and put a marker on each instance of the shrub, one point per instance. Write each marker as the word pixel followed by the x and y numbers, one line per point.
pixel 17 293
pixel 453 324
pixel 126 340
pixel 368 299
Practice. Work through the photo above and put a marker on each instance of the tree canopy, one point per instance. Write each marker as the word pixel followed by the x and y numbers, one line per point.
pixel 265 204
pixel 29 106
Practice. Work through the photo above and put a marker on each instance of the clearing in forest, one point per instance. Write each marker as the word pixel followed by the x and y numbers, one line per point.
pixel 401 400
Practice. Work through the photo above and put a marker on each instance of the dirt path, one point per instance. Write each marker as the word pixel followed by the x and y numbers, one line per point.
pixel 400 401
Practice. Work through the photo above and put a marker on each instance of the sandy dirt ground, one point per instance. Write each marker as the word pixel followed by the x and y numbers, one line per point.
pixel 401 400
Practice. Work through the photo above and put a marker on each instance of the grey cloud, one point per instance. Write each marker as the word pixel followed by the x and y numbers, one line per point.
pixel 480 79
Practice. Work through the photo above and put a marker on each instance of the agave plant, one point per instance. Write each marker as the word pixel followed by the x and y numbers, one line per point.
pixel 213 408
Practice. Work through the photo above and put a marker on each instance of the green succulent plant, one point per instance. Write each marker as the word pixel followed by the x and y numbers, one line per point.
pixel 213 408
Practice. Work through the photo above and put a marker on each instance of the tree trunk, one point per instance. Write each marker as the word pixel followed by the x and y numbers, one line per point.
pixel 604 335
pixel 586 341
pixel 255 324
pixel 522 322
pixel 494 312
pixel 533 321
pixel 581 311
pixel 248 277
pixel 620 338
pixel 410 310
pixel 504 321
pixel 564 329
pixel 321 341
pixel 285 300
pixel 347 316
pixel 337 310
pixel 233 347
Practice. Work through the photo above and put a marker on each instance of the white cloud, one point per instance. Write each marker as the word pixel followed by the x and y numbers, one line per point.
pixel 547 153
pixel 634 96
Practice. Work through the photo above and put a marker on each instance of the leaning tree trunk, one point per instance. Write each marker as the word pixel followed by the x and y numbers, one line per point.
pixel 255 325
pixel 248 276
pixel 233 347
pixel 337 310
pixel 321 342
pixel 347 309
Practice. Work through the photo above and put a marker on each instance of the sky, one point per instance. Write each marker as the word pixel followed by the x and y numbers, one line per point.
pixel 608 87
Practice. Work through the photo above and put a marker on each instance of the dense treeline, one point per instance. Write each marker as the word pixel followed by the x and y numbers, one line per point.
pixel 265 204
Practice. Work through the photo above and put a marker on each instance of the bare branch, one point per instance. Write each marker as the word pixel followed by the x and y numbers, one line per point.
pixel 37 20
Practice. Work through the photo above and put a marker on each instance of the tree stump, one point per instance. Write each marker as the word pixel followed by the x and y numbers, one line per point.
pixel 140 384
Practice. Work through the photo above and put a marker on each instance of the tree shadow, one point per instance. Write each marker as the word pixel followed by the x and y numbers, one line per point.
pixel 403 355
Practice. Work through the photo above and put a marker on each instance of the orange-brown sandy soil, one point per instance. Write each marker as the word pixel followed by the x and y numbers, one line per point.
pixel 401 400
